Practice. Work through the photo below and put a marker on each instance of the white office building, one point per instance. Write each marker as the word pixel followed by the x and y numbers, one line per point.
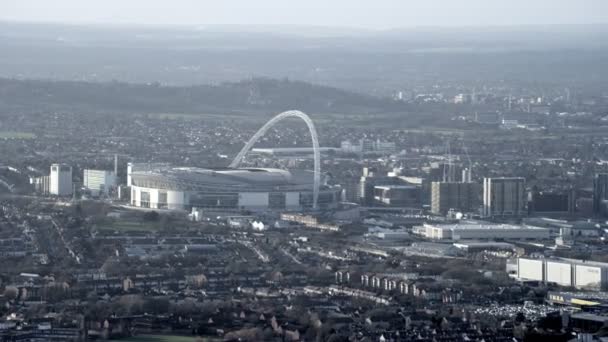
pixel 99 181
pixel 61 180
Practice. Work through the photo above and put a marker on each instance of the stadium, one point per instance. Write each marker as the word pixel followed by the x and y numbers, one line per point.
pixel 234 188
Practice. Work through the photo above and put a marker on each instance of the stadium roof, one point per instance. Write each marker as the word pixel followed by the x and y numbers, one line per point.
pixel 245 177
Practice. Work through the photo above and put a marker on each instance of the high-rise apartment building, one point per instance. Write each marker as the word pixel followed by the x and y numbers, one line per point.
pixel 504 196
pixel 60 180
pixel 451 195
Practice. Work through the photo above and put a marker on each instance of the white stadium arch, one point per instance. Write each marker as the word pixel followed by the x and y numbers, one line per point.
pixel 315 146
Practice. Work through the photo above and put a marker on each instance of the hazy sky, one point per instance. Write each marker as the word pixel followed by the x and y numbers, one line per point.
pixel 349 13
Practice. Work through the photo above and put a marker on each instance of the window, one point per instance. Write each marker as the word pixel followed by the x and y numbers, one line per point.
pixel 145 199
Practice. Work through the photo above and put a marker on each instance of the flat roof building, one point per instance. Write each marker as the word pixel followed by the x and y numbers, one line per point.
pixel 482 231
pixel 581 274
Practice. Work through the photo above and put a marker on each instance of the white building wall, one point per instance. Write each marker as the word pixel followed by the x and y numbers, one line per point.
pixel 96 180
pixel 136 196
pixel 253 200
pixel 487 233
pixel 502 233
pixel 292 199
pixel 60 180
pixel 530 269
pixel 559 273
pixel 153 198
pixel 176 200
pixel 588 276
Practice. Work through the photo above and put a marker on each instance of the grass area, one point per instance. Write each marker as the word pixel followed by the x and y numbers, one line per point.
pixel 160 338
pixel 16 135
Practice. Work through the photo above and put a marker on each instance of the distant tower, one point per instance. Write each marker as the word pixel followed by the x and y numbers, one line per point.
pixel 474 96
pixel 61 180
pixel 467 172
pixel 116 165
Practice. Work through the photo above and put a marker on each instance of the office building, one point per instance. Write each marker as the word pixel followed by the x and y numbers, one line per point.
pixel 600 194
pixel 409 196
pixel 552 202
pixel 60 180
pixel 504 196
pixel 99 182
pixel 462 197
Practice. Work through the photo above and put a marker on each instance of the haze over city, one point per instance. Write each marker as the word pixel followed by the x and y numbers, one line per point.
pixel 186 171
pixel 382 14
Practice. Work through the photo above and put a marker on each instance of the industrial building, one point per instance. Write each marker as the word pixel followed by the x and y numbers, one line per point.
pixel 580 274
pixel 473 230
pixel 99 181
pixel 60 180
pixel 504 196
pixel 254 189
pixel 462 197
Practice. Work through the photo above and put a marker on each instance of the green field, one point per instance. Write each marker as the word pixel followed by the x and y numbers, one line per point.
pixel 16 135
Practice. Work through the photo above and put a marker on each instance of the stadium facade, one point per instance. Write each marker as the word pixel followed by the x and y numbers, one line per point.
pixel 236 188
pixel 253 189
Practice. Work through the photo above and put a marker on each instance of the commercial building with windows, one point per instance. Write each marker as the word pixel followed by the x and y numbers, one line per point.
pixel 451 195
pixel 254 189
pixel 504 196
pixel 61 180
pixel 99 181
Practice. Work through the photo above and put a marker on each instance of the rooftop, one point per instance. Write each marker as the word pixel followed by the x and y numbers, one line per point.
pixel 471 225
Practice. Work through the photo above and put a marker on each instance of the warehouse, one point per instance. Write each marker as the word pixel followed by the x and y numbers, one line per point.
pixel 580 274
pixel 476 230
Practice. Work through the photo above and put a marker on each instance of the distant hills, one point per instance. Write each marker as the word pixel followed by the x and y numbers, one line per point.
pixel 379 63
pixel 252 96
